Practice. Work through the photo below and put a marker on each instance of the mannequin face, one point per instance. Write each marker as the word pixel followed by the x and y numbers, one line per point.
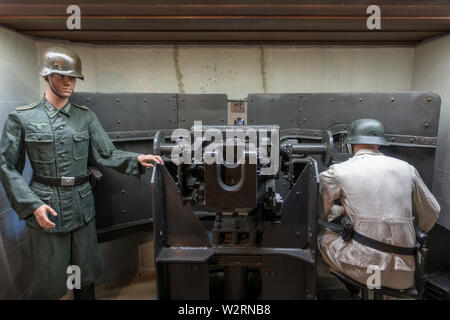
pixel 63 85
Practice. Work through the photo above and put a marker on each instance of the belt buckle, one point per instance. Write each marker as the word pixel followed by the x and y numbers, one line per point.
pixel 67 181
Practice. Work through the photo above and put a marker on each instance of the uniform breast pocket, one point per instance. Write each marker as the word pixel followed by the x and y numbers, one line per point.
pixel 40 146
pixel 80 144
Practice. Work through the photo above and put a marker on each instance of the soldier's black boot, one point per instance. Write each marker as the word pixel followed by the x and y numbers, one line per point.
pixel 86 292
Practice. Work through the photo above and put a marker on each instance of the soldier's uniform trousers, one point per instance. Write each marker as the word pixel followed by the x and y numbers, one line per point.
pixel 52 253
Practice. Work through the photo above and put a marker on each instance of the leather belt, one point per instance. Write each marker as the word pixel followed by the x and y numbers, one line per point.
pixel 62 181
pixel 348 233
pixel 382 246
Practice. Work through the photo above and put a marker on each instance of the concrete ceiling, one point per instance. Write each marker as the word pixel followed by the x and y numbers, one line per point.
pixel 230 22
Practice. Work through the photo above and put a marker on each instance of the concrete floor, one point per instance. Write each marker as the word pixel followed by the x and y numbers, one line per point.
pixel 141 286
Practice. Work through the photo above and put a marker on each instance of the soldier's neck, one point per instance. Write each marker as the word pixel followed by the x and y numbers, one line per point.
pixel 357 147
pixel 56 101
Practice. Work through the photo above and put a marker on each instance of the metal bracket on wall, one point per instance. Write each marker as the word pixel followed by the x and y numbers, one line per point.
pixel 393 139
pixel 411 141
pixel 124 136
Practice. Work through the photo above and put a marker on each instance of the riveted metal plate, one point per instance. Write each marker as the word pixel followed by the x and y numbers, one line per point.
pixel 280 109
pixel 211 109
pixel 407 113
pixel 131 111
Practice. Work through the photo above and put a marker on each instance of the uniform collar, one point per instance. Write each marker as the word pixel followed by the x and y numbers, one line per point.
pixel 53 111
pixel 367 151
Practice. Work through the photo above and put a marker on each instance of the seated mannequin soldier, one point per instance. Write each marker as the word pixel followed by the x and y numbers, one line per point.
pixel 378 194
pixel 58 204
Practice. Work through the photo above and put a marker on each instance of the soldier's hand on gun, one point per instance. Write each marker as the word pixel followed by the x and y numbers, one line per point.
pixel 42 218
pixel 146 159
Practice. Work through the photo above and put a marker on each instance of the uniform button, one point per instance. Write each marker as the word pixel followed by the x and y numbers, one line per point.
pixel 39 138
pixel 59 114
pixel 61 127
pixel 63 155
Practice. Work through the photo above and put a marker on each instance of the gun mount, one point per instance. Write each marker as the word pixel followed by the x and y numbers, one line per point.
pixel 232 213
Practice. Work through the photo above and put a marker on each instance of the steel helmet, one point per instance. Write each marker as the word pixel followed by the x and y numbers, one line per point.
pixel 61 61
pixel 366 131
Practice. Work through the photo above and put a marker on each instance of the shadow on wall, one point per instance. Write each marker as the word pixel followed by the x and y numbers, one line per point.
pixel 439 256
pixel 15 260
pixel 118 258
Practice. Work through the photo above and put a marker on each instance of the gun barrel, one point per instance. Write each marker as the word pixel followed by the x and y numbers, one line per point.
pixel 308 148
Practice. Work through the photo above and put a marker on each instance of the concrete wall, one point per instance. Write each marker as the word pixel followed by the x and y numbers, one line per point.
pixel 239 70
pixel 19 85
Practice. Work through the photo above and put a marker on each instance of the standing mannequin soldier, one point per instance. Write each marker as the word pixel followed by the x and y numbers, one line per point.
pixel 58 205
pixel 378 194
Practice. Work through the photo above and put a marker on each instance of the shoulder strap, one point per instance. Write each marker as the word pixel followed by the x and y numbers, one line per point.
pixel 80 106
pixel 27 107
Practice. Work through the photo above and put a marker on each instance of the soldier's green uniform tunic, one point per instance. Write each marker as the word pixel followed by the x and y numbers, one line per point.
pixel 58 143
